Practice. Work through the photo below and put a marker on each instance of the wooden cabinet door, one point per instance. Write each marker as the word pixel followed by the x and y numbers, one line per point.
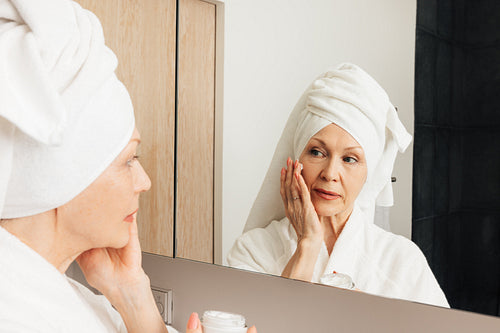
pixel 143 36
pixel 195 123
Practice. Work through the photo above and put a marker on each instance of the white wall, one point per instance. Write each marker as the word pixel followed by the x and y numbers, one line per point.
pixel 273 49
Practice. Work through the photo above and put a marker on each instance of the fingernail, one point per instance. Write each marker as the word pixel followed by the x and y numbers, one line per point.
pixel 288 161
pixel 297 176
pixel 296 163
pixel 282 171
pixel 193 321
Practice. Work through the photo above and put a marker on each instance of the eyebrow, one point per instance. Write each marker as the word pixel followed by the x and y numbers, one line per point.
pixel 320 141
pixel 348 148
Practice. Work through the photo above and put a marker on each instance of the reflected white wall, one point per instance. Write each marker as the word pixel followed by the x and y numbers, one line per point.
pixel 272 51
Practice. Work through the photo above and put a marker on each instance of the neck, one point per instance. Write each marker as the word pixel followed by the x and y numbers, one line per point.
pixel 41 233
pixel 333 226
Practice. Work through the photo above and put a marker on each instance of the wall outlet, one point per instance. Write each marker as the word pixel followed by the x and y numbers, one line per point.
pixel 164 302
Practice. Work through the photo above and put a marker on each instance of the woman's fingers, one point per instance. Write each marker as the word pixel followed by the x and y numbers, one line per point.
pixel 297 201
pixel 288 180
pixel 294 189
pixel 252 330
pixel 283 194
pixel 194 324
pixel 130 254
pixel 291 193
pixel 304 191
pixel 282 190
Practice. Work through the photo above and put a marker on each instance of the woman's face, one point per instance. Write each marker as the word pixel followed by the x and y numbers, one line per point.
pixel 334 170
pixel 100 216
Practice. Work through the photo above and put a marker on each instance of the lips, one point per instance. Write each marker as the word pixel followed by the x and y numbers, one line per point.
pixel 327 195
pixel 131 217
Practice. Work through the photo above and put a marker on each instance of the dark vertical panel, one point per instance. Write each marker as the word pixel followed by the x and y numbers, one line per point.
pixel 456 169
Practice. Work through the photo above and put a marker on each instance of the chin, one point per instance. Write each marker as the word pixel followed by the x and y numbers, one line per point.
pixel 325 213
pixel 119 239
pixel 326 210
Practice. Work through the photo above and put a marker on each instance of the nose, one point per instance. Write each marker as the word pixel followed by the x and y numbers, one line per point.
pixel 331 170
pixel 142 182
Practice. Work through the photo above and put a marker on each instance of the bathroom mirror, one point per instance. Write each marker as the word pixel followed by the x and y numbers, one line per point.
pixel 272 51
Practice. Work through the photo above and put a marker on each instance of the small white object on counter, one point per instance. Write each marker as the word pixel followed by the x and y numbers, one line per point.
pixel 338 280
pixel 223 322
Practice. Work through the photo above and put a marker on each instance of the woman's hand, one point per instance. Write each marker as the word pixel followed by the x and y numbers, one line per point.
pixel 194 325
pixel 118 275
pixel 107 268
pixel 298 205
pixel 301 213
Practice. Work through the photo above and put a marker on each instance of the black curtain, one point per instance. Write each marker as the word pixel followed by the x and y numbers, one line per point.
pixel 456 159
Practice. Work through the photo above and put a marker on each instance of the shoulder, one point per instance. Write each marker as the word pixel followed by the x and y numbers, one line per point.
pixel 100 305
pixel 263 249
pixel 382 242
pixel 393 257
pixel 401 263
pixel 272 237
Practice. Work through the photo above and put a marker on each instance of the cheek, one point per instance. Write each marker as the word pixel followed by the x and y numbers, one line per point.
pixel 111 198
pixel 356 180
pixel 309 175
pixel 118 196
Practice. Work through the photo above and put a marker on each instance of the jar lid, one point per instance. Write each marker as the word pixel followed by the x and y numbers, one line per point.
pixel 338 280
pixel 221 319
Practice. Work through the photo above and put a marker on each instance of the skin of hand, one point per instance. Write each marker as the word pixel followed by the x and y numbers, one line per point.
pixel 299 208
pixel 194 325
pixel 118 275
pixel 300 212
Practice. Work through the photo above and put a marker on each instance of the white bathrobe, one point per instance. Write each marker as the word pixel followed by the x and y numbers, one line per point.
pixel 379 262
pixel 36 297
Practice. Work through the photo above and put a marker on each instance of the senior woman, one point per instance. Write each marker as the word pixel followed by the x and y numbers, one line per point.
pixel 69 178
pixel 314 213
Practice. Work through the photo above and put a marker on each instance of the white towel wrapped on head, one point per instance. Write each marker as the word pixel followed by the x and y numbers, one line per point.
pixel 64 115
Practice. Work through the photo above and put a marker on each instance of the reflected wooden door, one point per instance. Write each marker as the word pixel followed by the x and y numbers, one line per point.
pixel 195 139
pixel 143 36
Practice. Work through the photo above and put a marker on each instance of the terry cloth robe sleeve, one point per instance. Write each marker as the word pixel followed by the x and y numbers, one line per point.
pixel 264 250
pixel 36 297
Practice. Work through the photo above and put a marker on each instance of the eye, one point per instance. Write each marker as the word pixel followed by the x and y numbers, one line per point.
pixel 316 152
pixel 349 159
pixel 134 158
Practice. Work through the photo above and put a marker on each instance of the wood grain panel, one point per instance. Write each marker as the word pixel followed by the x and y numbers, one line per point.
pixel 143 36
pixel 195 121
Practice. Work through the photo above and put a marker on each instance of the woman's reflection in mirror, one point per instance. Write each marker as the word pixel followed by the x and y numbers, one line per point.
pixel 314 213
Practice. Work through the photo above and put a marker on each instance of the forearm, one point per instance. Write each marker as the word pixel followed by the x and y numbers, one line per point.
pixel 137 307
pixel 301 264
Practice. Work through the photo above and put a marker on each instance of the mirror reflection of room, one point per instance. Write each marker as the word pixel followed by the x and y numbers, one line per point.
pixel 278 67
pixel 417 53
pixel 331 167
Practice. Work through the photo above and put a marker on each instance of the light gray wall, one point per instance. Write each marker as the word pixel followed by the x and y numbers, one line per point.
pixel 278 305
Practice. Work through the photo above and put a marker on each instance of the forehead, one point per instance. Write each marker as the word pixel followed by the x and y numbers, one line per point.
pixel 134 141
pixel 136 136
pixel 334 134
